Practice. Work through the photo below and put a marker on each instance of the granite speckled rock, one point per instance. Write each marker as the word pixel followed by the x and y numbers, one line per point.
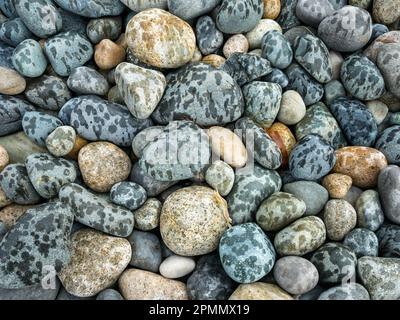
pixel 128 194
pixel 84 80
pixel 276 48
pixel 28 59
pixel 14 31
pixel 61 141
pixel 312 13
pixel 363 242
pixel 346 291
pixel 340 218
pixel 92 8
pixel 38 125
pixel 221 177
pixel 209 38
pixel 388 144
pixel 388 61
pixel 369 210
pixel 104 28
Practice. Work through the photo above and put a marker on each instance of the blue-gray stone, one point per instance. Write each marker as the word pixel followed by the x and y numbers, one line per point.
pixel 363 242
pixel 92 8
pixel 378 30
pixel 6 53
pixel 84 80
pixel 357 122
pixel 246 253
pixel 12 110
pixel 389 189
pixel 35 292
pixel 187 10
pixel 15 183
pixel 39 239
pixel 128 194
pixel 337 4
pixel 48 92
pixel 389 241
pixel 38 125
pixel 97 212
pixel 312 158
pixel 312 12
pixel 146 251
pixel 14 31
pixel 346 291
pixel 287 18
pixel 28 59
pixel 202 94
pixel 276 49
pixel 389 144
pixel 72 22
pixel 369 210
pixel 209 281
pixel 40 16
pixel 144 137
pixel 104 28
pixel 333 89
pixel 209 38
pixel 67 51
pixel 109 294
pixel 8 8
pixel 48 174
pixel 252 185
pixel 277 76
pixel 246 67
pixel 96 119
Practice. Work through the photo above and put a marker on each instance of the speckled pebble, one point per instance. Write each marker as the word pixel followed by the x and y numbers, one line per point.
pixel 369 210
pixel 363 242
pixel 337 185
pixel 84 80
pixel 128 194
pixel 147 217
pixel 61 141
pixel 221 177
pixel 28 59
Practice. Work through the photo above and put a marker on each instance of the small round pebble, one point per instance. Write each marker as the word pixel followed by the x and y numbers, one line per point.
pixel 292 108
pixel 363 242
pixel 146 250
pixel 61 141
pixel 340 218
pixel 337 185
pixel 236 43
pixel 128 194
pixel 176 267
pixel 221 177
pixel 147 217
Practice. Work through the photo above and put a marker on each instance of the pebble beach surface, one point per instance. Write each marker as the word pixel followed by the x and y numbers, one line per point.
pixel 200 150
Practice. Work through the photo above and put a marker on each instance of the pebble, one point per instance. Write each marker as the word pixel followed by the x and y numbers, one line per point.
pixel 128 194
pixel 279 210
pixel 19 147
pixel 255 36
pixel 369 210
pixel 102 165
pixel 112 122
pixel 363 242
pixel 333 89
pixel 276 48
pixel 152 46
pixel 11 82
pixel 272 8
pixel 97 260
pixel 295 275
pixel 292 109
pixel 28 59
pixel 311 158
pixel 312 13
pixel 176 267
pixel 221 177
pixel 388 188
pixel 67 51
pixel 6 53
pixel 147 217
pixel 15 183
pixel 362 78
pixel 346 37
pixel 14 31
pixel 61 141
pixel 209 38
pixel 48 174
pixel 362 164
pixel 146 251
pixel 134 82
pixel 214 60
pixel 216 99
pixel 144 137
pixel 335 262
pixel 92 8
pixel 238 16
pixel 340 218
pixel 136 284
pixel 262 102
pixel 277 76
pixel 338 185
pixel 380 276
pixel 284 139
pixel 378 109
pixel 387 144
pixel 42 236
pixel 4 201
pixel 104 28
pixel 35 292
pixel 357 122
pixel 388 61
pixel 187 11
pixel 259 291
pixel 249 190
pixel 48 92
pixel 193 220
pixel 389 244
pixel 227 145
pixel 313 194
pixel 8 8
pixel 345 291
pixel 109 294
pixel 108 54
pixel 209 280
pixel 97 212
pixel 84 80
pixel 240 263
pixel 386 12
pixel 236 43
pixel 161 160
pixel 4 158
pixel 288 19
pixel 392 37
pixel 301 237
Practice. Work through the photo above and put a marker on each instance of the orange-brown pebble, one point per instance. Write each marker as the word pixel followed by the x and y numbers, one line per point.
pixel 214 60
pixel 272 9
pixel 284 138
pixel 362 164
pixel 79 144
pixel 10 214
pixel 4 158
pixel 108 54
pixel 337 185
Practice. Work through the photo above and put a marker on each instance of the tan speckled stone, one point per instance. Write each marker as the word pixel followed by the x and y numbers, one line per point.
pixel 260 291
pixel 97 260
pixel 272 9
pixel 10 214
pixel 340 218
pixel 147 217
pixel 337 185
pixel 160 39
pixel 136 284
pixel 390 37
pixel 236 43
pixel 4 158
pixel 11 82
pixel 193 220
pixel 362 164
pixel 215 60
pixel 102 165
pixel 386 11
pixel 108 54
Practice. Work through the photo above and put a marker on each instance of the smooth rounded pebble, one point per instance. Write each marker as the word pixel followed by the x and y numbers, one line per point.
pixel 176 267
